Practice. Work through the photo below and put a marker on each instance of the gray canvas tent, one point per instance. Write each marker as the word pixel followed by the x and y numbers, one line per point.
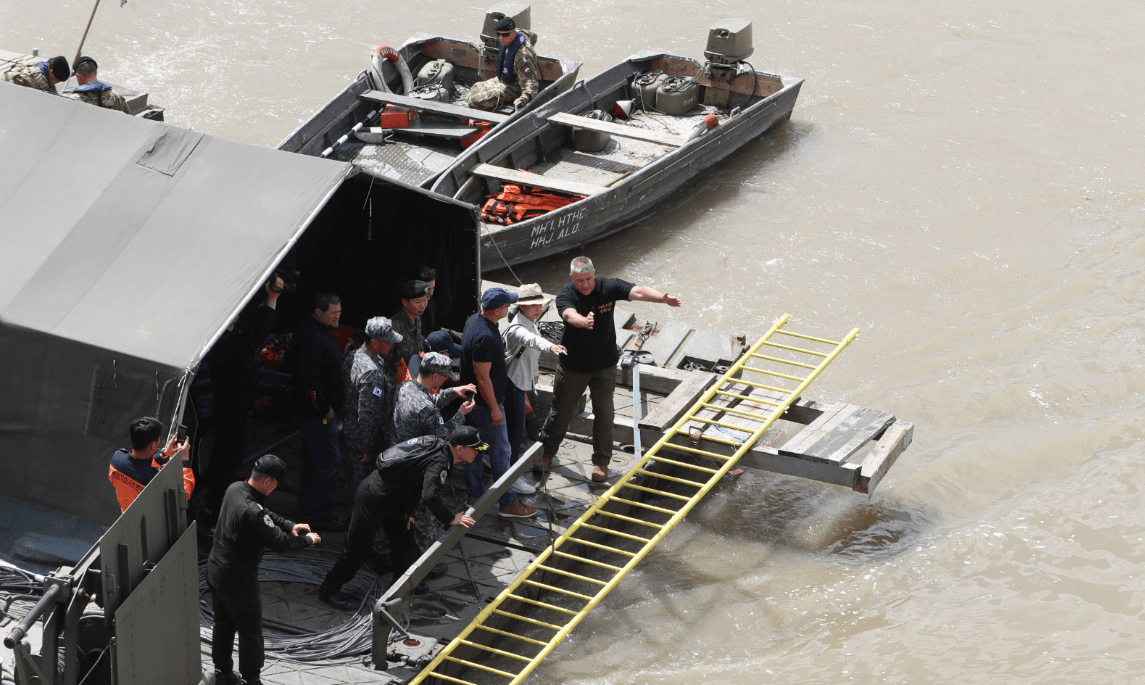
pixel 127 246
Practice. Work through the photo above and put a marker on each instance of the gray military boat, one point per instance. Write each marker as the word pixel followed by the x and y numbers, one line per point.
pixel 406 118
pixel 615 147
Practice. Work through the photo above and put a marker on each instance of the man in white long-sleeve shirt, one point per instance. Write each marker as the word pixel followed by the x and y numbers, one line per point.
pixel 523 347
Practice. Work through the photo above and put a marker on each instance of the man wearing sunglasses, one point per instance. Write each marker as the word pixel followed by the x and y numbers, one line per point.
pixel 518 74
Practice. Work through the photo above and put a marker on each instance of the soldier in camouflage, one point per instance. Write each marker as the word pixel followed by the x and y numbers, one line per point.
pixel 93 91
pixel 43 76
pixel 368 424
pixel 518 74
pixel 407 323
pixel 417 411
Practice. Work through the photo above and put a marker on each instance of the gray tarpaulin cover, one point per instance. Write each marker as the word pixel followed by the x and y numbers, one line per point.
pixel 125 247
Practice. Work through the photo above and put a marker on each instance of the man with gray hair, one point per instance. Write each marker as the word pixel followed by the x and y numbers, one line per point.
pixel 368 424
pixel 587 305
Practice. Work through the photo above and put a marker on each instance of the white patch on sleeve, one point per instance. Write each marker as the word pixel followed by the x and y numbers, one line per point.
pixel 377 391
pixel 443 477
pixel 441 420
pixel 267 521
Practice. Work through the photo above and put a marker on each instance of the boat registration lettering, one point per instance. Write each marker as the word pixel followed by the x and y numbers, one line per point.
pixel 557 228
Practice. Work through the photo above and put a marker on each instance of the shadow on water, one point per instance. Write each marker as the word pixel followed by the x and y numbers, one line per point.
pixel 718 187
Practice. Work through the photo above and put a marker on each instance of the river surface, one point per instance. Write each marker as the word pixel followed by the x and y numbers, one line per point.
pixel 963 183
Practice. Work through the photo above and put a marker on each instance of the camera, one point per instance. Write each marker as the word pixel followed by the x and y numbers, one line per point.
pixel 289 282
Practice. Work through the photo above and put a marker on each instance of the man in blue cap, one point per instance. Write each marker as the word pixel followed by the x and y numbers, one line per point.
pixel 246 528
pixel 483 364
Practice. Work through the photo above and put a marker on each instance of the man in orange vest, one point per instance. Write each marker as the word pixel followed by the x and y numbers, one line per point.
pixel 131 470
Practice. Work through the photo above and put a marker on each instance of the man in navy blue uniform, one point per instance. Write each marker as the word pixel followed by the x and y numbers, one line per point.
pixel 483 364
pixel 587 306
pixel 245 529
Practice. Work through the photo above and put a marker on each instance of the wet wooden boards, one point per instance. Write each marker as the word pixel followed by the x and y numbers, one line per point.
pixel 432 106
pixel 619 130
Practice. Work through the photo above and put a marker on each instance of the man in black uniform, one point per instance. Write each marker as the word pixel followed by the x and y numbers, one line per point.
pixel 246 527
pixel 589 336
pixel 407 473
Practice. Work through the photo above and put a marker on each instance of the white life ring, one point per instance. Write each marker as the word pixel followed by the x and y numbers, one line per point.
pixel 386 52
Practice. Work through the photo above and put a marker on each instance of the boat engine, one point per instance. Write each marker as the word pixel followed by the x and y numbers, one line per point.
pixel 519 12
pixel 729 43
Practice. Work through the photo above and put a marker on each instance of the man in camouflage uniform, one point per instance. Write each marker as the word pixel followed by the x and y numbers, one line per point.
pixel 518 74
pixel 407 323
pixel 43 76
pixel 417 411
pixel 93 91
pixel 368 424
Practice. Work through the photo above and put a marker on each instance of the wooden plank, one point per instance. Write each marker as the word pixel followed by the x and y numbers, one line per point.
pixel 893 443
pixel 801 443
pixel 770 460
pixel 838 434
pixel 574 187
pixel 668 412
pixel 432 106
pixel 619 130
pixel 438 131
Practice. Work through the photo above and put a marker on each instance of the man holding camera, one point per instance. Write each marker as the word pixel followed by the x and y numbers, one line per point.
pixel 417 411
pixel 131 470
pixel 246 528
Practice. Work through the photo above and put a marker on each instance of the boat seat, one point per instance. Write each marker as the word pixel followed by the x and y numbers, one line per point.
pixel 525 178
pixel 619 130
pixel 432 106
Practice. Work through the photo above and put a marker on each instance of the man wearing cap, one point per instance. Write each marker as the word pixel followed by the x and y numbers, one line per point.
pixel 93 91
pixel 483 364
pixel 587 305
pixel 417 410
pixel 523 347
pixel 41 76
pixel 246 528
pixel 368 421
pixel 408 473
pixel 518 74
pixel 407 322
pixel 438 341
pixel 429 316
pixel 317 394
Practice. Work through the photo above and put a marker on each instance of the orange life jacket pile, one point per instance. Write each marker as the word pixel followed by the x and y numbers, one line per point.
pixel 520 203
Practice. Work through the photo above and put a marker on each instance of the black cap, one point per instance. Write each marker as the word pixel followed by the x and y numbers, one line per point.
pixel 426 274
pixel 467 436
pixel 59 67
pixel 506 24
pixel 84 60
pixel 411 290
pixel 272 466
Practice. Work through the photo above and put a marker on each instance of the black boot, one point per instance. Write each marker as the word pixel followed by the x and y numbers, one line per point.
pixel 335 599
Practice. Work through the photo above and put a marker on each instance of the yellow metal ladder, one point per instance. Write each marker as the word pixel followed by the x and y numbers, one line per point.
pixel 523 653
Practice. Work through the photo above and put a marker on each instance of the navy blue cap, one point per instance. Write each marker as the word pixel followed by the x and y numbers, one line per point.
pixel 440 341
pixel 272 466
pixel 495 298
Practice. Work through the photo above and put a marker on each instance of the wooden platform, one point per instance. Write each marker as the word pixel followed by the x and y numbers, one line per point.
pixel 432 106
pixel 503 174
pixel 615 129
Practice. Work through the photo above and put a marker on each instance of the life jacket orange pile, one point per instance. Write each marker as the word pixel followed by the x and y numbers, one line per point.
pixel 519 203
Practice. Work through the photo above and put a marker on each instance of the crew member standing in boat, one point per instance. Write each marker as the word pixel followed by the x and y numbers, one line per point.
pixel 42 76
pixel 587 305
pixel 93 91
pixel 518 74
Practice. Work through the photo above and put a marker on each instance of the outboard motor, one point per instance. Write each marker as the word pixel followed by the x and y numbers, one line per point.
pixel 729 43
pixel 519 12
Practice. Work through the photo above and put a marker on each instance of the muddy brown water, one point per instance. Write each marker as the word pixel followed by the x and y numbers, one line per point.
pixel 962 182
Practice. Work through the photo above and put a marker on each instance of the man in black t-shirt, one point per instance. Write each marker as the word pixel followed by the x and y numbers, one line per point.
pixel 587 305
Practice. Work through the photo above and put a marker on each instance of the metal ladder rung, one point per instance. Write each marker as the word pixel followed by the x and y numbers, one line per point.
pixel 615 532
pixel 730 426
pixel 511 655
pixel 487 669
pixel 835 343
pixel 748 398
pixel 784 361
pixel 658 492
pixel 599 546
pixel 609 514
pixel 693 450
pixel 601 564
pixel 797 379
pixel 662 510
pixel 781 346
pixel 506 633
pixel 563 591
pixel 526 600
pixel 526 619
pixel 738 412
pixel 453 680
pixel 576 576
pixel 672 478
pixel 666 460
pixel 761 386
